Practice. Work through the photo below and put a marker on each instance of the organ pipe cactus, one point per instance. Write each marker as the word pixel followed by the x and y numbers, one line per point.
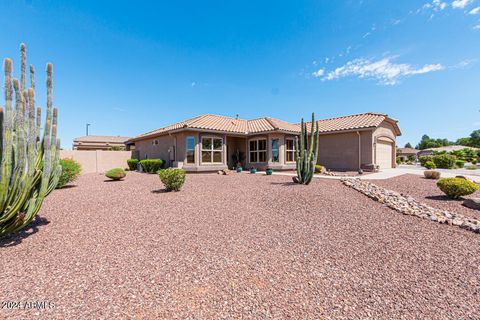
pixel 306 152
pixel 29 163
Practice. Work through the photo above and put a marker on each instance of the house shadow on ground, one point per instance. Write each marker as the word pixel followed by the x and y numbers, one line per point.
pixel 17 237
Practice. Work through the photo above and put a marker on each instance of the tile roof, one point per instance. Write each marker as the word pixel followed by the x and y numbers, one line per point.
pixel 407 151
pixel 239 126
pixel 107 139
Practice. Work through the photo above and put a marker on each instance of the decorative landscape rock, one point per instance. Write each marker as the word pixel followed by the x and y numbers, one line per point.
pixel 431 174
pixel 409 206
pixel 473 203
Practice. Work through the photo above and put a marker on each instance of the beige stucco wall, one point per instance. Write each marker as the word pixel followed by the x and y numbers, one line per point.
pixel 97 160
pixel 147 150
pixel 338 151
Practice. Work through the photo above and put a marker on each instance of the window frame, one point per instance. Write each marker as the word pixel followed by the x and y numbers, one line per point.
pixel 212 150
pixel 287 151
pixel 257 151
pixel 190 149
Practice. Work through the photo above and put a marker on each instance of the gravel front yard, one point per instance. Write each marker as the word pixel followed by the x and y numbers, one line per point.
pixel 426 191
pixel 238 246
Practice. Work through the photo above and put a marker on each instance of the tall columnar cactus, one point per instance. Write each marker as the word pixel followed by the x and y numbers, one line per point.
pixel 29 164
pixel 306 152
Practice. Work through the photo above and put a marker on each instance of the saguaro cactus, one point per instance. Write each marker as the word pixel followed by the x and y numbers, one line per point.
pixel 29 164
pixel 306 152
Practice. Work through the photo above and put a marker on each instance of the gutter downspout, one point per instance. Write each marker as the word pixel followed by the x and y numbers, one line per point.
pixel 359 151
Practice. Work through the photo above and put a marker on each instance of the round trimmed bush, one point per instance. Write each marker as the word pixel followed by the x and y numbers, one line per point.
pixel 70 172
pixel 319 169
pixel 172 178
pixel 460 164
pixel 132 164
pixel 430 165
pixel 425 159
pixel 444 161
pixel 115 174
pixel 456 187
pixel 152 165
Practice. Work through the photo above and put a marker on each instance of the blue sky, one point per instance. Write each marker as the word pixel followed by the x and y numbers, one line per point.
pixel 128 67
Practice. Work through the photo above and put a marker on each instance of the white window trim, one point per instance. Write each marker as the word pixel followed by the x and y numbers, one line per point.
pixel 258 151
pixel 289 150
pixel 194 149
pixel 211 150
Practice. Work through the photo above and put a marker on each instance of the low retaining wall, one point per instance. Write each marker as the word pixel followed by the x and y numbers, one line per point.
pixel 97 160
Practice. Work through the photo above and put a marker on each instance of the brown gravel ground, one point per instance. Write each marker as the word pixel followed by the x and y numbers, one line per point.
pixel 426 191
pixel 237 246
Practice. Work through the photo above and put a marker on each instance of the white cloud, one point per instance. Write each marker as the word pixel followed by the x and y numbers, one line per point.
pixel 384 70
pixel 460 4
pixel 475 10
pixel 436 5
pixel 319 73
pixel 477 27
pixel 193 84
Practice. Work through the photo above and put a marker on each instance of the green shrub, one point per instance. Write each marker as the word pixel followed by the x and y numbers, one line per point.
pixel 411 158
pixel 398 160
pixel 319 169
pixel 444 161
pixel 151 165
pixel 460 164
pixel 456 187
pixel 132 164
pixel 172 178
pixel 70 171
pixel 474 161
pixel 425 159
pixel 115 174
pixel 472 167
pixel 430 165
pixel 431 174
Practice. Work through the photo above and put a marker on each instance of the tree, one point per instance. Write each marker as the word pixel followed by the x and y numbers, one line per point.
pixel 463 141
pixel 475 139
pixel 427 143
pixel 408 145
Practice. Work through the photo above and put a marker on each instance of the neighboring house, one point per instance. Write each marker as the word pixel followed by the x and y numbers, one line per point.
pixel 403 153
pixel 430 151
pixel 99 143
pixel 207 142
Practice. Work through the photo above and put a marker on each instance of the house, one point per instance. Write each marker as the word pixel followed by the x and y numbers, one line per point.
pixel 99 143
pixel 208 142
pixel 404 153
pixel 430 151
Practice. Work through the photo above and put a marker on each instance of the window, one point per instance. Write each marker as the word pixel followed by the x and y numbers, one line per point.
pixel 155 142
pixel 275 151
pixel 290 150
pixel 258 150
pixel 190 149
pixel 212 149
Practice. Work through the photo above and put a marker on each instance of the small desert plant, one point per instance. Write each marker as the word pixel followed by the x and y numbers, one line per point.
pixel 115 174
pixel 430 165
pixel 132 164
pixel 431 174
pixel 444 161
pixel 456 187
pixel 172 178
pixel 319 168
pixel 472 167
pixel 70 171
pixel 460 164
pixel 151 165
pixel 398 160
pixel 474 161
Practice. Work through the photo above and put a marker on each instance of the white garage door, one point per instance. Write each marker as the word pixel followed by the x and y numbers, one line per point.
pixel 384 154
